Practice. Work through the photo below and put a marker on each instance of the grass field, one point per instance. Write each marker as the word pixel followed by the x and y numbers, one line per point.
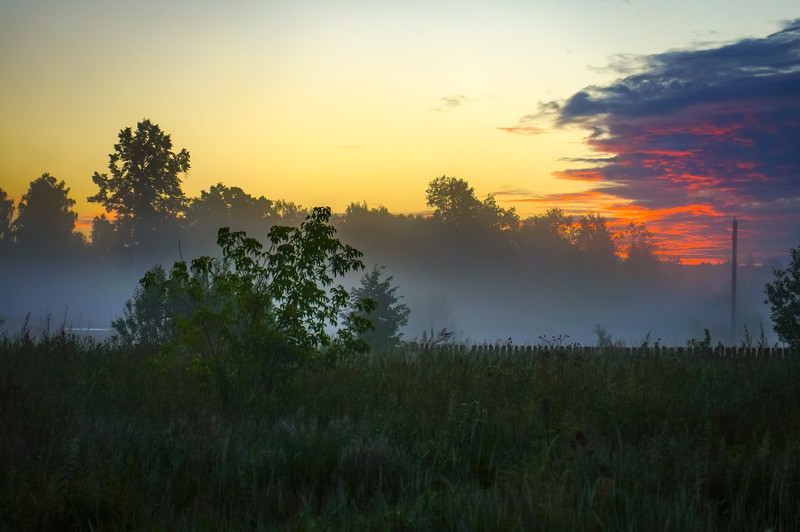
pixel 98 438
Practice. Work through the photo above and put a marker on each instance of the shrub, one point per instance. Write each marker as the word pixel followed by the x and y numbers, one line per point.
pixel 252 300
pixel 146 318
pixel 783 297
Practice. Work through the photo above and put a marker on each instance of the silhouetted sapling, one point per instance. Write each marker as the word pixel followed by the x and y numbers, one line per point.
pixel 253 300
pixel 783 297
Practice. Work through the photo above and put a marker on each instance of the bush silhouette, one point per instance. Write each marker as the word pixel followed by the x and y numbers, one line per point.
pixel 252 299
pixel 783 297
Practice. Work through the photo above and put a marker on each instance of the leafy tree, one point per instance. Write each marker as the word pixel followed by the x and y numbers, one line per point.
pixel 223 206
pixel 595 240
pixel 497 217
pixel 453 200
pixel 783 297
pixel 379 223
pixel 389 314
pixel 356 209
pixel 45 222
pixel 144 188
pixel 456 205
pixel 551 234
pixel 254 299
pixel 6 214
pixel 382 233
pixel 639 245
pixel 147 318
pixel 290 214
pixel 103 237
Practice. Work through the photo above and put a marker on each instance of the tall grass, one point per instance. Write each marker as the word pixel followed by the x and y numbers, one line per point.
pixel 95 437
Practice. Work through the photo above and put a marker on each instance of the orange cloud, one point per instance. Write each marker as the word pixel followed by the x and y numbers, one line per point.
pixel 579 175
pixel 693 233
pixel 522 130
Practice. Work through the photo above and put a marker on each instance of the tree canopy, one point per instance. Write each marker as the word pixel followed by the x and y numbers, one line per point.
pixel 45 220
pixel 783 297
pixel 283 293
pixel 594 238
pixel 6 215
pixel 144 188
pixel 456 206
pixel 232 207
pixel 638 244
pixel 553 232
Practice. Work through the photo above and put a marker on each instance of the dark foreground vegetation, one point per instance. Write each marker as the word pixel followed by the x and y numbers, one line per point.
pixel 102 437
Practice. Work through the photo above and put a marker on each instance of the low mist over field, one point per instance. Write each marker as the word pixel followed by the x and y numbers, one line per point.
pixel 477 271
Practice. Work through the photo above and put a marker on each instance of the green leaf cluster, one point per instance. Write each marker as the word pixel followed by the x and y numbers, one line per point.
pixel 273 300
pixel 783 297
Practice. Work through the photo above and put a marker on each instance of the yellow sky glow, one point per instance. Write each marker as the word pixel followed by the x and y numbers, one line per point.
pixel 324 103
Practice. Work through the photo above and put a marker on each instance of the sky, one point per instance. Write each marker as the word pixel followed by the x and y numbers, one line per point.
pixel 677 114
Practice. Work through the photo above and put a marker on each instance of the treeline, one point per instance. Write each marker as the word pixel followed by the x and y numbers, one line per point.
pixel 469 264
pixel 148 215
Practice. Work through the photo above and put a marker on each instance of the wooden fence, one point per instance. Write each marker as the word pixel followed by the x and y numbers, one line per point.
pixel 575 350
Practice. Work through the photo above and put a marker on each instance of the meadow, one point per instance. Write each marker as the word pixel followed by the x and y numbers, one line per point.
pixel 98 437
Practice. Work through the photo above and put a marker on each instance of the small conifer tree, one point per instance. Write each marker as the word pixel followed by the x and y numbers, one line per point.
pixel 389 314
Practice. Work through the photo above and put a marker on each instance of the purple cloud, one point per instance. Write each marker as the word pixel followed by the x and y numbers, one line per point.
pixel 716 127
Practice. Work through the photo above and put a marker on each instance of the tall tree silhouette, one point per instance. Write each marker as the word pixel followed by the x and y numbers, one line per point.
pixel 144 188
pixel 639 245
pixel 45 222
pixel 457 206
pixel 454 201
pixel 595 240
pixel 6 214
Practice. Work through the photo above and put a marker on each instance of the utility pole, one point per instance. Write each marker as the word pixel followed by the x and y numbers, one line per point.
pixel 733 281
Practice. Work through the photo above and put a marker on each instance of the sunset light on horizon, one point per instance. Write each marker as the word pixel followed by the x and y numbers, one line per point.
pixel 679 116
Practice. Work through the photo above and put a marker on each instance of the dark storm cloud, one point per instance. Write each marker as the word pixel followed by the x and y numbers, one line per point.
pixel 718 127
